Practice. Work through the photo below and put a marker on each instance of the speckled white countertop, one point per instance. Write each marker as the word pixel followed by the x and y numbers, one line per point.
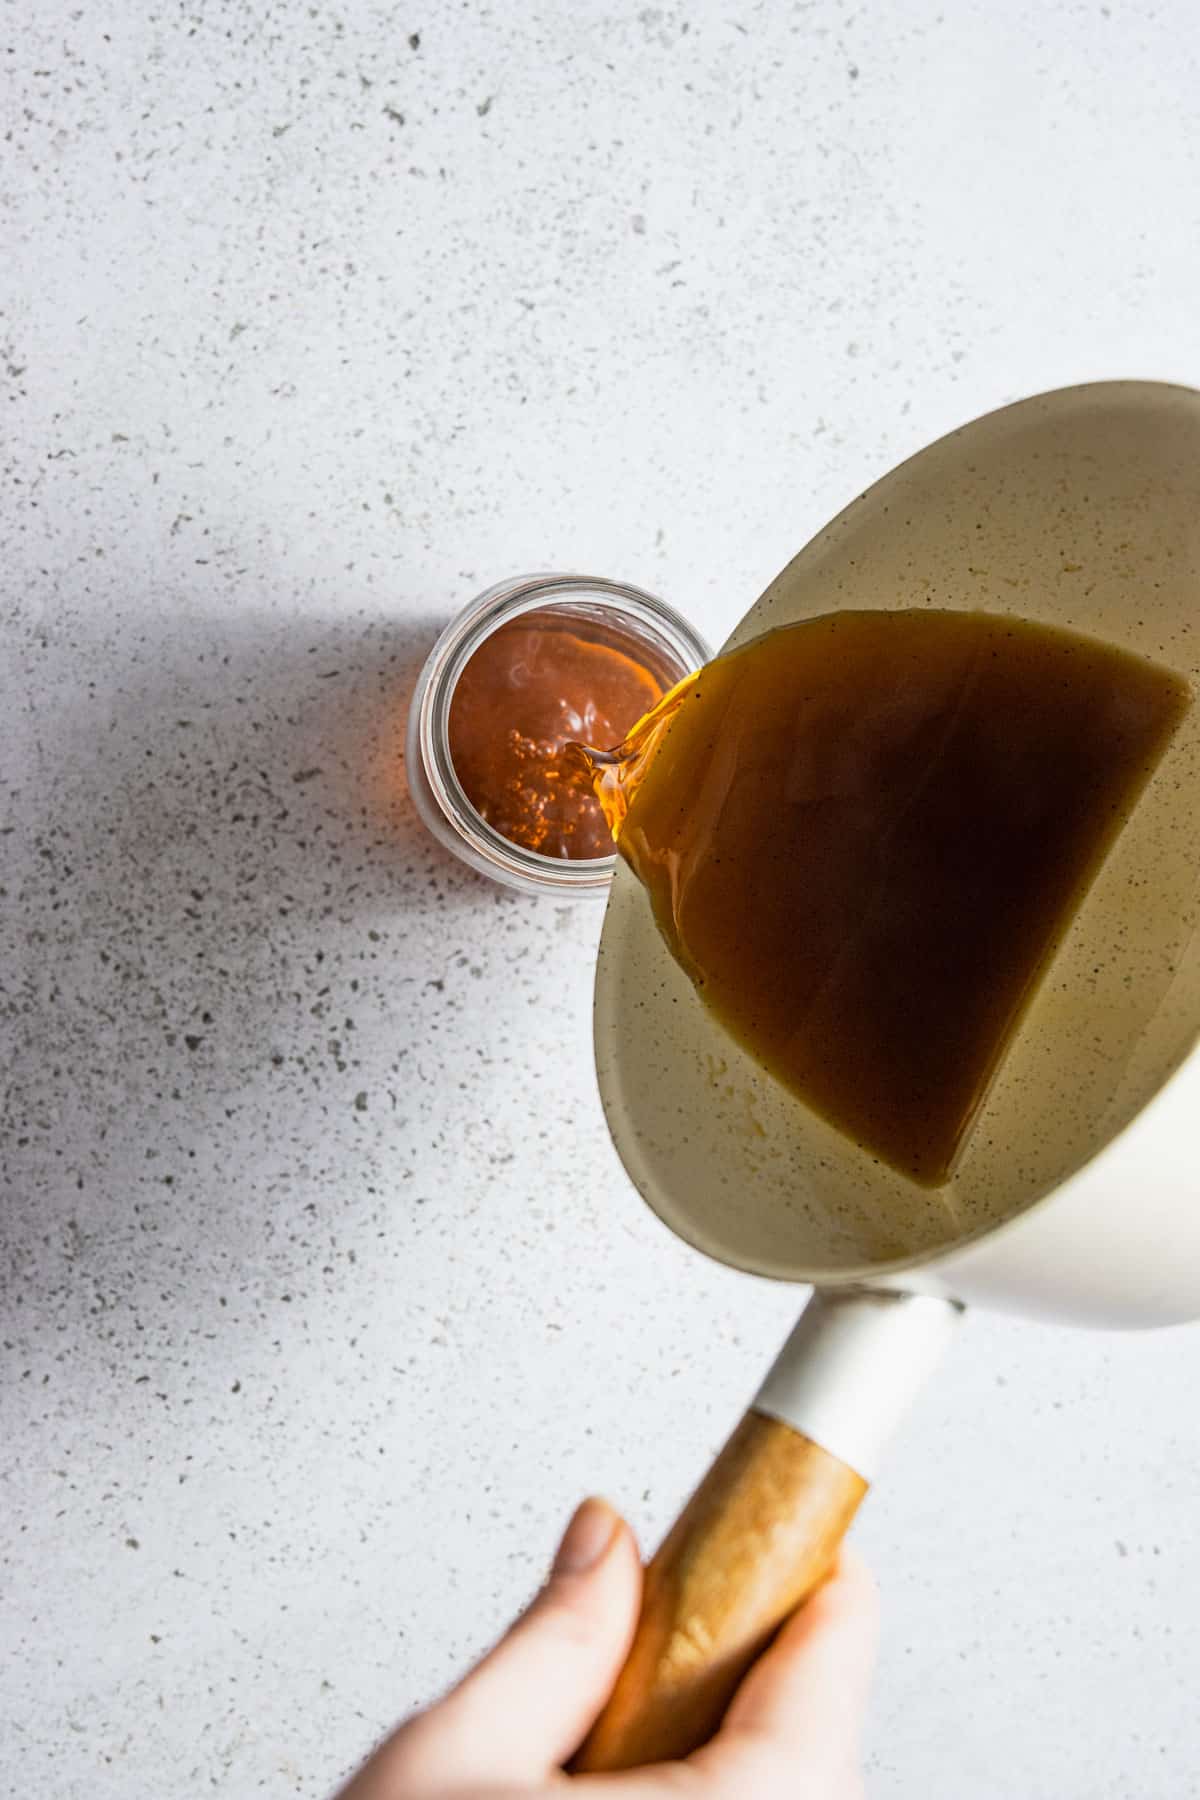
pixel 323 1294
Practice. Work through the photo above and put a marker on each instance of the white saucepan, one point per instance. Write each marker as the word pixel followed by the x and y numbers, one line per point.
pixel 1078 1197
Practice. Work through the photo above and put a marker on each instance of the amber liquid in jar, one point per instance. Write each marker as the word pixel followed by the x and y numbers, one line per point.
pixel 863 836
pixel 537 683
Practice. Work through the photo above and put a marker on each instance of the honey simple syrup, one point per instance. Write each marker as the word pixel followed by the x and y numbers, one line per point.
pixel 863 836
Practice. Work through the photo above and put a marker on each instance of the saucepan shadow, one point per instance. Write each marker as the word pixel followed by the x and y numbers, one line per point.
pixel 258 736
pixel 261 756
pixel 218 857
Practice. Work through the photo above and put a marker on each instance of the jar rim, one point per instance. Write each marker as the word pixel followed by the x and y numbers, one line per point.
pixel 463 829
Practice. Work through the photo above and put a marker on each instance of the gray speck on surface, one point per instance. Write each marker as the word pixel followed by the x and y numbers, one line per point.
pixel 360 1101
pixel 485 106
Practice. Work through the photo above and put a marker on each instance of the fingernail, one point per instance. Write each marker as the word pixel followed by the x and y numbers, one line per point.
pixel 586 1538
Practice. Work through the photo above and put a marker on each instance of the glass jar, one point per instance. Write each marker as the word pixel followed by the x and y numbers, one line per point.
pixel 653 631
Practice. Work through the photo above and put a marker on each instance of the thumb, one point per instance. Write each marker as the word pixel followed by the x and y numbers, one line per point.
pixel 521 1712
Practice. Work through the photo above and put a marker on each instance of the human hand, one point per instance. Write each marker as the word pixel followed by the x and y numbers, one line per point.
pixel 504 1732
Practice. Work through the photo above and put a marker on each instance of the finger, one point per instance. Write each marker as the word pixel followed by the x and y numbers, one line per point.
pixel 521 1712
pixel 797 1716
pixel 546 1681
pixel 821 1663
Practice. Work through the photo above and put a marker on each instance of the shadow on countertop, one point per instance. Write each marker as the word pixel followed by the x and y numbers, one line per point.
pixel 264 740
pixel 210 857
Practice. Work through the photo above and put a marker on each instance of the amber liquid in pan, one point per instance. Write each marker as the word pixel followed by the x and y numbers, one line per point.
pixel 863 836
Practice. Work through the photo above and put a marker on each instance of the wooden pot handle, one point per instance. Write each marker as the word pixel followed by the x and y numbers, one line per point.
pixel 761 1531
pixel 757 1537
